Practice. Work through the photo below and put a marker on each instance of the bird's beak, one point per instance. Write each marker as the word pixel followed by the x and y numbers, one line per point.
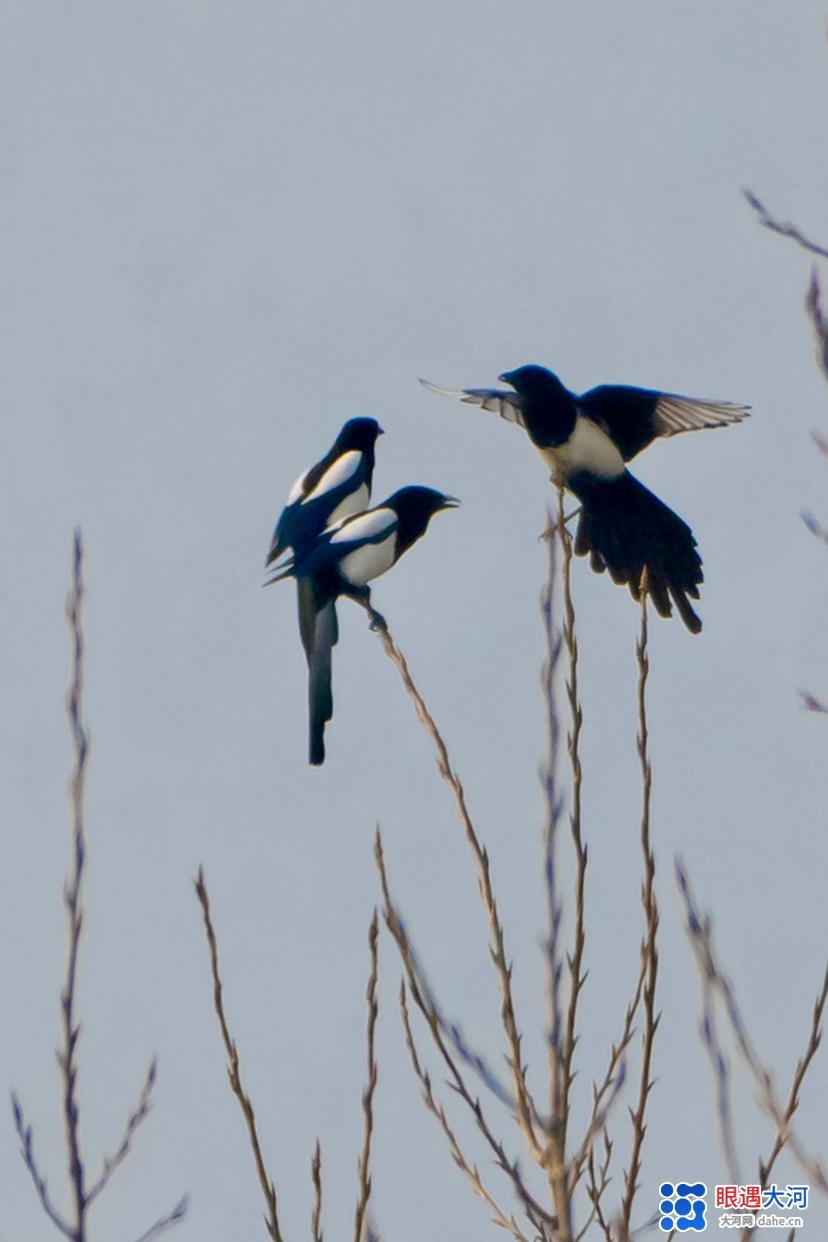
pixel 450 502
pixel 380 431
pixel 506 377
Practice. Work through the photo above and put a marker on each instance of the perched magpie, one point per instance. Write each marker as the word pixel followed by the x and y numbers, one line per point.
pixel 338 485
pixel 585 440
pixel 342 561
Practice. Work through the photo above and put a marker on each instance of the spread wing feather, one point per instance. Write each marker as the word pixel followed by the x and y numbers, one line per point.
pixel 494 400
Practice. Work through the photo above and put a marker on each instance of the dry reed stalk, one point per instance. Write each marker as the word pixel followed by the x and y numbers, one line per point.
pixel 525 1109
pixel 715 983
pixel 371 1084
pixel 74 1225
pixel 233 1070
pixel 649 947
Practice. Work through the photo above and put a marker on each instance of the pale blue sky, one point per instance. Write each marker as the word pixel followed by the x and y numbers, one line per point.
pixel 225 229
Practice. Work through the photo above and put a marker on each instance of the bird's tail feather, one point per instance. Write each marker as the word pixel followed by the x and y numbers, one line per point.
pixel 320 697
pixel 625 529
pixel 286 568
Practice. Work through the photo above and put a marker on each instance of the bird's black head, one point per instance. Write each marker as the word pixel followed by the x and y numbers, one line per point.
pixel 415 507
pixel 548 405
pixel 532 380
pixel 358 433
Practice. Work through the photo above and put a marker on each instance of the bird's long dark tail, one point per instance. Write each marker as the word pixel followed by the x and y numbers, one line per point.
pixel 322 640
pixel 626 529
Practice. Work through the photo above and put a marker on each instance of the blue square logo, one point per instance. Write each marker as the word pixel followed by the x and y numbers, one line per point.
pixel 682 1206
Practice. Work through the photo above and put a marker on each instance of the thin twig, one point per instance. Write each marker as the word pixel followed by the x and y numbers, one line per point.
pixel 24 1133
pixel 370 1087
pixel 316 1179
pixel 233 1071
pixel 605 1095
pixel 537 1215
pixel 436 1109
pixel 74 1227
pixel 802 1065
pixel 575 960
pixel 812 704
pixel 133 1122
pixel 813 305
pixel 525 1106
pixel 782 227
pixel 598 1180
pixel 166 1222
pixel 799 1074
pixel 574 747
pixel 649 948
pixel 72 897
pixel 701 939
pixel 553 812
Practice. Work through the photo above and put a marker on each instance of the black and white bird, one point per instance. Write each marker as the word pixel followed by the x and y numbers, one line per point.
pixel 342 561
pixel 337 486
pixel 585 440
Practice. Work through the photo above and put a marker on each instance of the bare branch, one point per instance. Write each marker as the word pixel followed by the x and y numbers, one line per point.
pixel 577 978
pixel 537 1215
pixel 24 1133
pixel 166 1222
pixel 701 940
pixel 72 896
pixel 316 1179
pixel 233 1070
pixel 553 813
pixel 525 1105
pixel 597 1182
pixel 782 227
pixel 470 1170
pixel 368 1093
pixel 819 322
pixel 605 1095
pixel 139 1114
pixel 812 704
pixel 802 1065
pixel 74 1225
pixel 649 946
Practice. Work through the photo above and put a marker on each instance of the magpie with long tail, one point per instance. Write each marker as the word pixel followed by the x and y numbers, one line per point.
pixel 585 440
pixel 337 486
pixel 341 562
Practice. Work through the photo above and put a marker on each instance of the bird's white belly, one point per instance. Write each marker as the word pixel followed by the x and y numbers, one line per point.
pixel 588 448
pixel 369 561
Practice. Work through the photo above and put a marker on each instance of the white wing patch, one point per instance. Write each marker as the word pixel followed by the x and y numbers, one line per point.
pixel 494 400
pixel 674 414
pixel 297 489
pixel 369 561
pixel 354 503
pixel 370 525
pixel 336 474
